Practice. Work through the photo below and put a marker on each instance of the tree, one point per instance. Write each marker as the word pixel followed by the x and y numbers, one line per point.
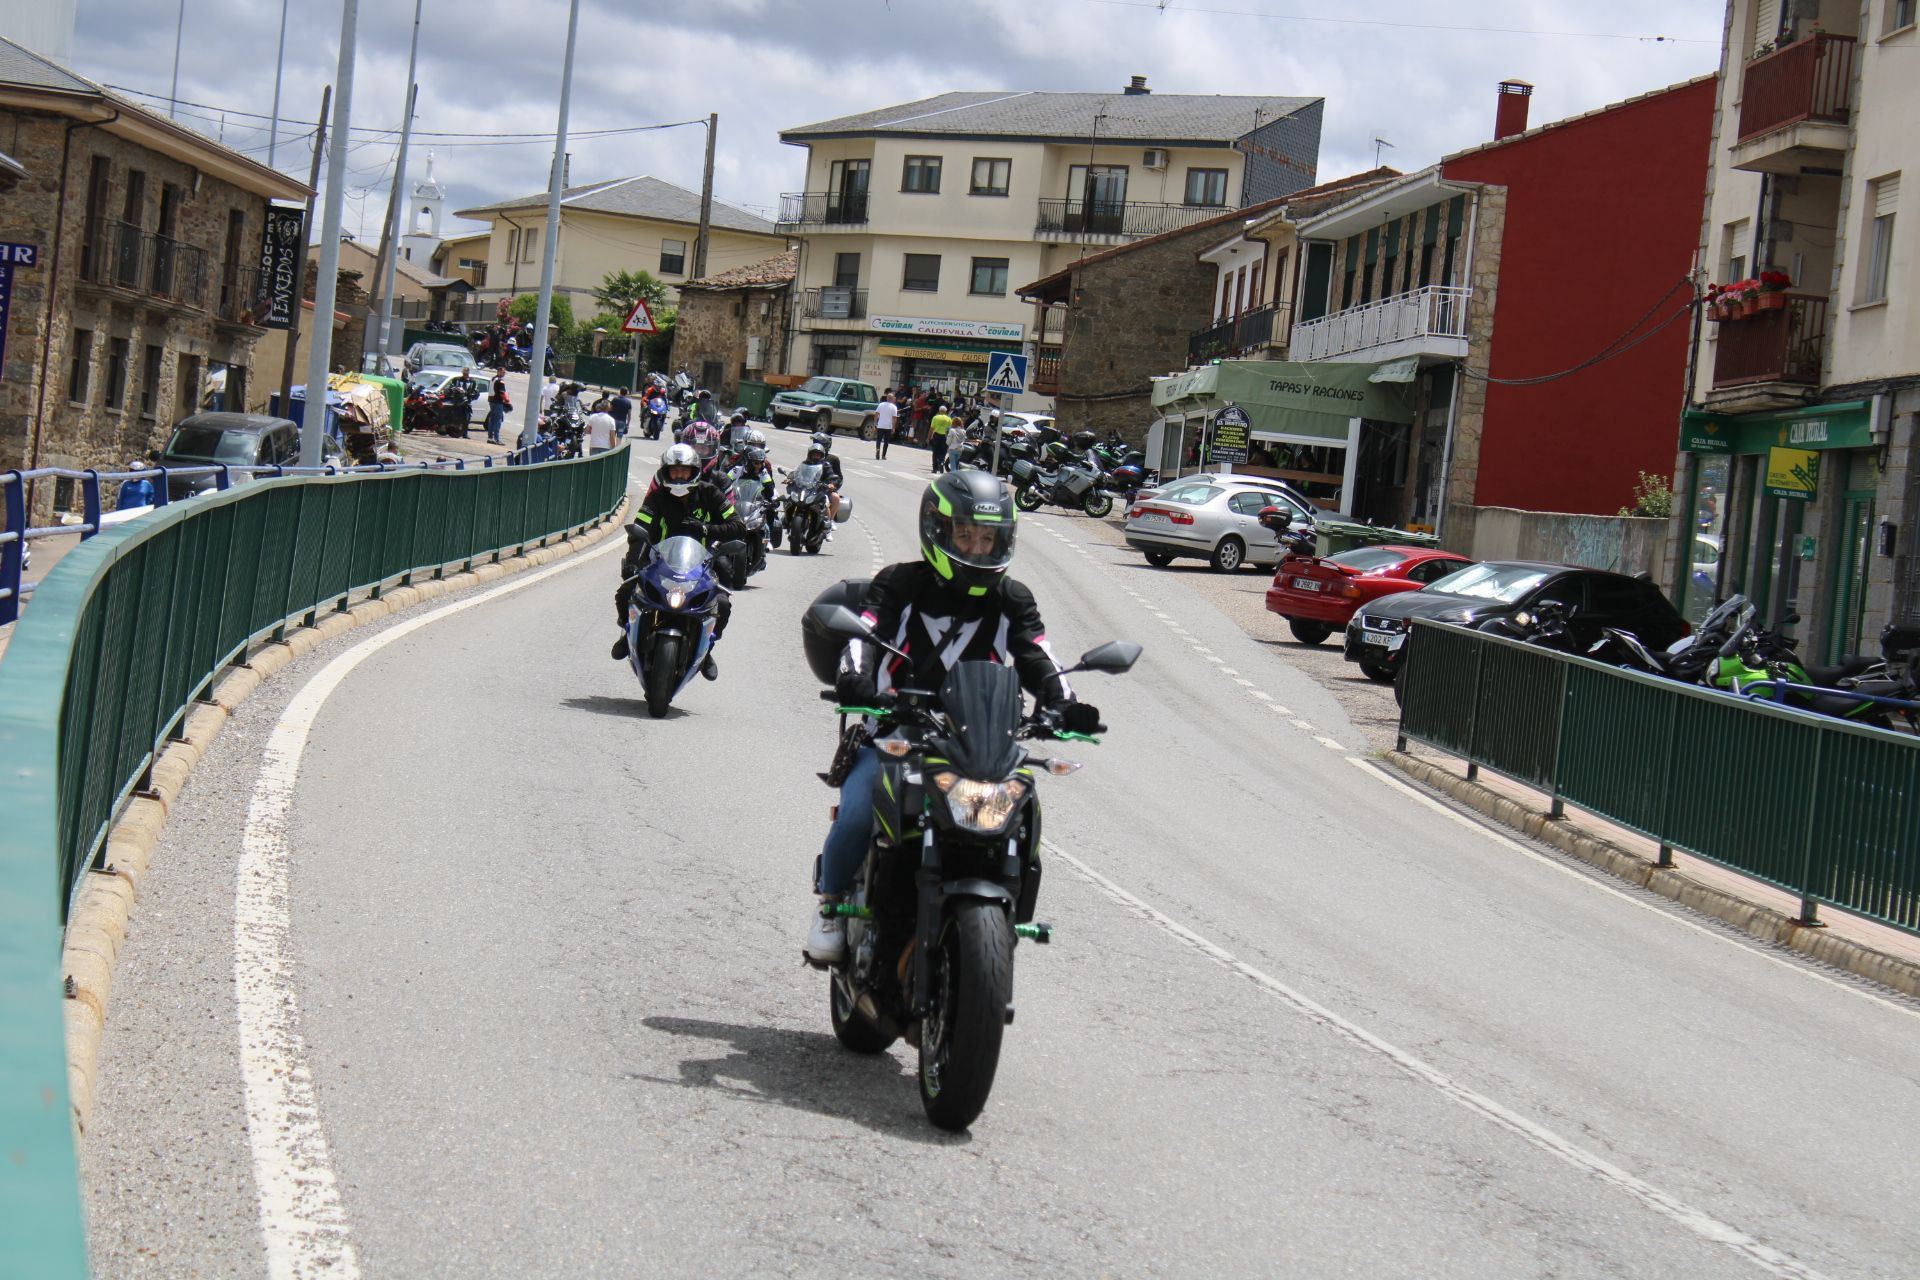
pixel 526 308
pixel 619 290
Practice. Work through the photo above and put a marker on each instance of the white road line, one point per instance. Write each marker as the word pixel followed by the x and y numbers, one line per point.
pixel 1302 725
pixel 1263 696
pixel 1664 913
pixel 1697 1221
pixel 1329 743
pixel 301 1214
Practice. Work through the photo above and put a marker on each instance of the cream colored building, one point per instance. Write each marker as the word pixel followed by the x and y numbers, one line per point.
pixel 1797 484
pixel 918 220
pixel 627 224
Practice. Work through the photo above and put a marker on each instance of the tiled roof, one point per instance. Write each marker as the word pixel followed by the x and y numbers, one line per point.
pixel 775 271
pixel 1118 117
pixel 640 196
pixel 20 65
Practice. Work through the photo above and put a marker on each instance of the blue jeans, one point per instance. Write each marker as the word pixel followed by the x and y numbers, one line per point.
pixel 496 416
pixel 847 839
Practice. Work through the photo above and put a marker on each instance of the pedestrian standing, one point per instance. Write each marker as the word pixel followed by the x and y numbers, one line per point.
pixel 497 406
pixel 883 422
pixel 940 425
pixel 622 410
pixel 600 429
pixel 919 416
pixel 549 390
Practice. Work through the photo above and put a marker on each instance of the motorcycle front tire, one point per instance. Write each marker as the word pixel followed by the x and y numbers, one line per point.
pixel 967 1015
pixel 1027 499
pixel 663 674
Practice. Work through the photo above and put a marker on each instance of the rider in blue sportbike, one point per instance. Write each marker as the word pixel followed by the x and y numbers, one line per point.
pixel 678 505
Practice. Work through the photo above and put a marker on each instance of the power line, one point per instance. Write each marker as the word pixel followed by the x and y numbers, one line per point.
pixel 1613 350
pixel 1161 7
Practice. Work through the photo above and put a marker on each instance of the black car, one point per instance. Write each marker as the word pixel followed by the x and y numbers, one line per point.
pixel 1594 598
pixel 237 439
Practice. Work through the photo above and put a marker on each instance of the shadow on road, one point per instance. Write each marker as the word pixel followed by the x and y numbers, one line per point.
pixel 622 708
pixel 805 1070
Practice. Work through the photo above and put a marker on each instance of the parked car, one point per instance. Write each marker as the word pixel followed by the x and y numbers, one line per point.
pixel 1502 589
pixel 1213 518
pixel 236 439
pixel 438 355
pixel 433 381
pixel 1018 426
pixel 828 404
pixel 1319 595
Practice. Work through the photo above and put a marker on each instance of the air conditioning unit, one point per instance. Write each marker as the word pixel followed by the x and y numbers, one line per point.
pixel 1156 158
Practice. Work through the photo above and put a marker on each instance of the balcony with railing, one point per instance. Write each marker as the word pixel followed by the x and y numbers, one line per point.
pixel 823 210
pixel 238 299
pixel 833 303
pixel 1765 360
pixel 1066 221
pixel 1425 322
pixel 1044 380
pixel 1251 333
pixel 119 255
pixel 176 271
pixel 1795 106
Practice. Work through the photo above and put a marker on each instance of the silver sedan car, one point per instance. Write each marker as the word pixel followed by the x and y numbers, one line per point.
pixel 1212 518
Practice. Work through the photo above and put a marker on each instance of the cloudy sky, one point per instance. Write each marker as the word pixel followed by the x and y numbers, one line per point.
pixel 1419 73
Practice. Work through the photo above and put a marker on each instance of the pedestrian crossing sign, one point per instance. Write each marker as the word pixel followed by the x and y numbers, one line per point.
pixel 1006 372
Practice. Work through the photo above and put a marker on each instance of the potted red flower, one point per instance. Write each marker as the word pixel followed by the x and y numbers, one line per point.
pixel 1773 290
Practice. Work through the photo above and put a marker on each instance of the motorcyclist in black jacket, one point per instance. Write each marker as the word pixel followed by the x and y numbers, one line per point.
pixel 679 503
pixel 955 604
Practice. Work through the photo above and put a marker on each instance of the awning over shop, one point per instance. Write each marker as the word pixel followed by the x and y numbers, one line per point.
pixel 1846 425
pixel 1290 399
pixel 934 351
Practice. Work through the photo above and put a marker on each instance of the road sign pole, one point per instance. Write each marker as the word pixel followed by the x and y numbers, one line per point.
pixel 537 365
pixel 326 284
pixel 1006 376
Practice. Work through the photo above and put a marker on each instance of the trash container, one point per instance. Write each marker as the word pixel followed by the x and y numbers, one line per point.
pixel 1335 536
pixel 755 397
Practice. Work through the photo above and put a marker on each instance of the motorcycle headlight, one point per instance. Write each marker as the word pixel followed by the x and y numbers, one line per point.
pixel 982 807
pixel 676 598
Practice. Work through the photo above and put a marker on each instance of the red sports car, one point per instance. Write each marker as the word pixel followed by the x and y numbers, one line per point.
pixel 1317 595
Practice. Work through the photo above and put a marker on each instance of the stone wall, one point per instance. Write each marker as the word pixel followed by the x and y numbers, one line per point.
pixel 1622 544
pixel 713 325
pixel 1463 468
pixel 42 425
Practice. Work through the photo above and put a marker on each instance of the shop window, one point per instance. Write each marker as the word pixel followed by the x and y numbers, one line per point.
pixel 79 366
pixel 991 177
pixel 118 354
pixel 673 257
pixel 922 273
pixel 1883 198
pixel 921 174
pixel 990 276
pixel 1207 186
pixel 835 360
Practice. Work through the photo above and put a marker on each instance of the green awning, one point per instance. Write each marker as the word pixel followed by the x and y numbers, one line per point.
pixel 1290 399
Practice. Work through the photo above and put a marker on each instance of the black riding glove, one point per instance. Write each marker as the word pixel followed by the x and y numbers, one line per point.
pixel 1078 717
pixel 855 689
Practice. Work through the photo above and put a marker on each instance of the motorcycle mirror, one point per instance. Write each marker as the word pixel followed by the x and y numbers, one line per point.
pixel 1114 657
pixel 1791 620
pixel 838 620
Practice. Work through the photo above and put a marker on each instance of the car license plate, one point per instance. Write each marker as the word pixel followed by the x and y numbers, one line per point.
pixel 1308 584
pixel 1154 517
pixel 1385 639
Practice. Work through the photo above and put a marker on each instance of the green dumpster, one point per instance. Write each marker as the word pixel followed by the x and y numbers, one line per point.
pixel 755 397
pixel 1335 536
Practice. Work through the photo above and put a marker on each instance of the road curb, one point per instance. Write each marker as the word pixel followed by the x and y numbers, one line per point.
pixel 103 905
pixel 1751 918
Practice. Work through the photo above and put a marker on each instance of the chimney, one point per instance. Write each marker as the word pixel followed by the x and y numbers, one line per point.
pixel 1510 116
pixel 1137 86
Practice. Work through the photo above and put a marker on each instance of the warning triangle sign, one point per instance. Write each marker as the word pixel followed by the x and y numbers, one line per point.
pixel 1007 375
pixel 640 319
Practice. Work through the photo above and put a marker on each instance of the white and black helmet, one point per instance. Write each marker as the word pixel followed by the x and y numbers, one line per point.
pixel 679 457
pixel 825 440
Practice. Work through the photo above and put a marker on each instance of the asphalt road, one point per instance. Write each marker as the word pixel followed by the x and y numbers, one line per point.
pixel 543 957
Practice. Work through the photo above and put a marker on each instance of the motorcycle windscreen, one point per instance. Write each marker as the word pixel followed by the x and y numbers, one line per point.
pixel 809 474
pixel 982 700
pixel 745 490
pixel 682 555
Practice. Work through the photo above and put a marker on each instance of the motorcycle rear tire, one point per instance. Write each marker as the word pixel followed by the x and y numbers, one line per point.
pixel 972 985
pixel 1097 504
pixel 1377 673
pixel 663 675
pixel 1027 500
pixel 850 1026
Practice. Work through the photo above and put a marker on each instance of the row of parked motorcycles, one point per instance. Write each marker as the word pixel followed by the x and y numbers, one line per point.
pixel 1731 652
pixel 1046 468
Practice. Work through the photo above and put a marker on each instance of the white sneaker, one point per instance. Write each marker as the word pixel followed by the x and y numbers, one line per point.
pixel 826 941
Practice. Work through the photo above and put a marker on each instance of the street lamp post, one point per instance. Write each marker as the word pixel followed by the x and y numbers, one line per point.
pixel 537 369
pixel 313 424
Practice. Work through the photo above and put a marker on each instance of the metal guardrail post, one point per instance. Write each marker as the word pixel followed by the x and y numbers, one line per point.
pixel 1809 906
pixel 13 552
pixel 1558 808
pixel 1473 711
pixel 90 504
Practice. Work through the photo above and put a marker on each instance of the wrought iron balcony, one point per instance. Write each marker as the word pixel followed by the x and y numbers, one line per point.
pixel 1429 321
pixel 1122 219
pixel 1782 345
pixel 1044 380
pixel 239 299
pixel 1249 332
pixel 122 256
pixel 834 302
pixel 177 271
pixel 1810 79
pixel 823 209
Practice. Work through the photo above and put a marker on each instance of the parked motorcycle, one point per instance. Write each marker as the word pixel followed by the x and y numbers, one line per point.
pixel 952 875
pixel 446 411
pixel 1123 468
pixel 804 513
pixel 1070 484
pixel 567 426
pixel 670 622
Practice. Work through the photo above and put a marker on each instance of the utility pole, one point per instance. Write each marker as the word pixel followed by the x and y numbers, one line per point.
pixel 306 226
pixel 326 287
pixel 273 136
pixel 706 204
pixel 537 366
pixel 388 264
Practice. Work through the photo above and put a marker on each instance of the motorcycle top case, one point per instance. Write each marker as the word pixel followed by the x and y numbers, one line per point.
pixel 823 650
pixel 1022 469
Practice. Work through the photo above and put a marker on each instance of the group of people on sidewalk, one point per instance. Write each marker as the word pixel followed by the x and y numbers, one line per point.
pixel 942 422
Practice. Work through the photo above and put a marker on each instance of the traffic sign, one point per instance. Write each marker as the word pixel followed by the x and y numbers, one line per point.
pixel 640 319
pixel 1006 372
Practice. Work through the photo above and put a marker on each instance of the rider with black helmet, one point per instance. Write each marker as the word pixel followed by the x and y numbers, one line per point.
pixel 679 503
pixel 954 604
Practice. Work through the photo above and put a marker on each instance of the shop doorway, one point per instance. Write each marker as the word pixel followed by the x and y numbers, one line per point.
pixel 1852 562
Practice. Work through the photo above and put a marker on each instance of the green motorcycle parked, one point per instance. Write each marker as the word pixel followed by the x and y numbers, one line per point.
pixel 1759 663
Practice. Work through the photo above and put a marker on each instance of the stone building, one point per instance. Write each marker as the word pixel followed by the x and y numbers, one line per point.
pixel 734 325
pixel 139 302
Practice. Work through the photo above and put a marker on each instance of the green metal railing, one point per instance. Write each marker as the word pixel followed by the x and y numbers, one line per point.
pixel 1824 809
pixel 123 635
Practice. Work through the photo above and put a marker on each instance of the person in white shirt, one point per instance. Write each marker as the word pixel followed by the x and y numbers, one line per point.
pixel 548 390
pixel 884 419
pixel 602 431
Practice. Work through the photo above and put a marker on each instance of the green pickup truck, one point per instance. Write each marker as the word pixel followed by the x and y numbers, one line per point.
pixel 827 404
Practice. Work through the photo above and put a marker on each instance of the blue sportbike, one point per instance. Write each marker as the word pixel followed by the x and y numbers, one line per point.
pixel 670 620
